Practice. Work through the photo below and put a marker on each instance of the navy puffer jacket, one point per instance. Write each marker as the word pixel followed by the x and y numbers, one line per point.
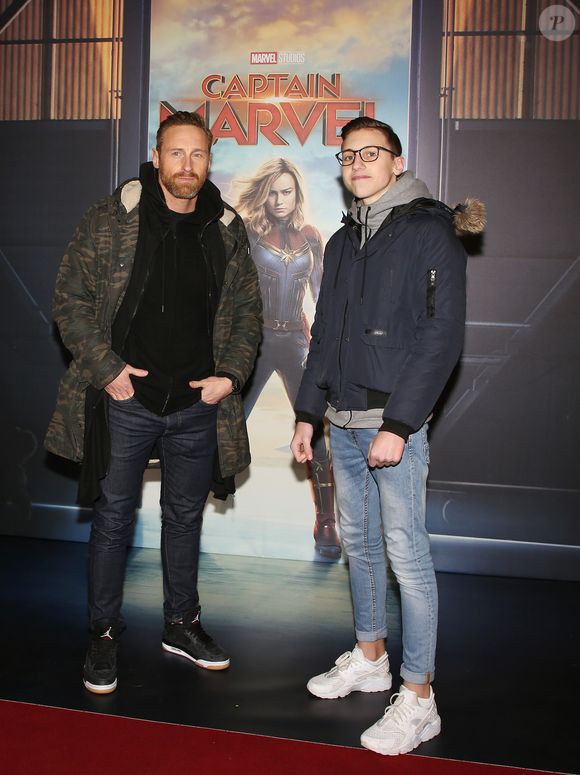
pixel 390 318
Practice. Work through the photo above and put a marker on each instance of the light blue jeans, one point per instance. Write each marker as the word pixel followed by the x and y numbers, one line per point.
pixel 384 508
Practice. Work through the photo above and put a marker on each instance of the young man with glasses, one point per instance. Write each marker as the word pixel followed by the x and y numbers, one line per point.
pixel 387 334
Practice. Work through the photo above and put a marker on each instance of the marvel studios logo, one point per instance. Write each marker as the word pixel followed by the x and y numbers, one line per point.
pixel 277 57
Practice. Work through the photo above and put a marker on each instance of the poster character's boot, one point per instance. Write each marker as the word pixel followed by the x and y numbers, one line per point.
pixel 326 539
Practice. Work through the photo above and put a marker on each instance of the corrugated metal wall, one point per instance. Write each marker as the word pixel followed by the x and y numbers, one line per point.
pixel 61 59
pixel 496 63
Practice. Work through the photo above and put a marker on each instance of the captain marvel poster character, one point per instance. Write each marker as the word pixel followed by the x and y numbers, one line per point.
pixel 288 255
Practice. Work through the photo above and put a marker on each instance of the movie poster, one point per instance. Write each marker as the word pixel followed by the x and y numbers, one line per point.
pixel 276 83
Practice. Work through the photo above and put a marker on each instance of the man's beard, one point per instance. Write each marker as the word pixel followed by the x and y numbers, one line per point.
pixel 181 189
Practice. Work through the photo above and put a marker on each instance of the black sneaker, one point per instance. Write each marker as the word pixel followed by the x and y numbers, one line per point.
pixel 100 669
pixel 190 640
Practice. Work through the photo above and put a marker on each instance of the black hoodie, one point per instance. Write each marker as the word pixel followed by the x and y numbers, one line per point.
pixel 172 296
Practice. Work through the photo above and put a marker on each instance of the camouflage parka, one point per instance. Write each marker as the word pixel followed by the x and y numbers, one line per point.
pixel 92 280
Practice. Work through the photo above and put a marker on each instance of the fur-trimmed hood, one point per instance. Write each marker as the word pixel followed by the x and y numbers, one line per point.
pixel 469 217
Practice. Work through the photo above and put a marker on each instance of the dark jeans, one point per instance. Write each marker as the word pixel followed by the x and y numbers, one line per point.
pixel 186 443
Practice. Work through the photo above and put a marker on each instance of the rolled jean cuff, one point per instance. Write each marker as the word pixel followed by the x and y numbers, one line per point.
pixel 371 637
pixel 417 678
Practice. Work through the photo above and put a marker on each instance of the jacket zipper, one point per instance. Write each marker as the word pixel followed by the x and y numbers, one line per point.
pixel 340 341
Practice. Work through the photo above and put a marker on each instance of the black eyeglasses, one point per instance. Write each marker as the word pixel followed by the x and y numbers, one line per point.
pixel 368 153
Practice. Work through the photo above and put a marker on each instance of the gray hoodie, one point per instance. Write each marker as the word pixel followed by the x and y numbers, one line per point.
pixel 370 217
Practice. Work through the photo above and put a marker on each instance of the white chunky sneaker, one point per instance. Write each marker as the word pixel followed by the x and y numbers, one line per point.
pixel 352 673
pixel 405 724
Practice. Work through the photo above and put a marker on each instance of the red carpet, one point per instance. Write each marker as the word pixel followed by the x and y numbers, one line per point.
pixel 38 740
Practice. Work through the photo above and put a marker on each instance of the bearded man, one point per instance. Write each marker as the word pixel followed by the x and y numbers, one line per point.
pixel 158 300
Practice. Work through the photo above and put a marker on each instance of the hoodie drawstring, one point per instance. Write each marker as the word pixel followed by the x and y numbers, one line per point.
pixel 364 259
pixel 163 259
